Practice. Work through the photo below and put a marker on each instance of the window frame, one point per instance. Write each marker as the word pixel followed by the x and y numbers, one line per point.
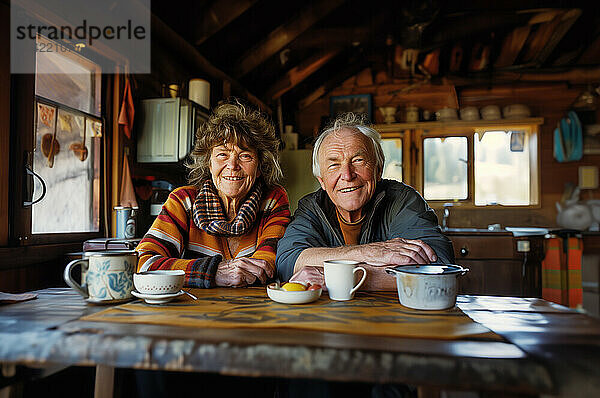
pixel 413 135
pixel 405 137
pixel 22 142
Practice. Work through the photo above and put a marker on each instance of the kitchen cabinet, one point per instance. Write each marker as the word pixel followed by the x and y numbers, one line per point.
pixel 168 126
pixel 499 263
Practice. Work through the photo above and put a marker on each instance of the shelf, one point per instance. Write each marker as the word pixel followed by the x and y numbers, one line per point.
pixel 395 127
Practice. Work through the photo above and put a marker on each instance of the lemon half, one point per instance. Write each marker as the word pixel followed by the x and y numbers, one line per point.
pixel 293 287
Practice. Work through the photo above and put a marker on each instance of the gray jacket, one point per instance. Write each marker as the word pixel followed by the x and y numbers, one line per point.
pixel 395 211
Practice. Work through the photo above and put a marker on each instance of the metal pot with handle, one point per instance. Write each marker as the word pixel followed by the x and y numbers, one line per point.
pixel 427 287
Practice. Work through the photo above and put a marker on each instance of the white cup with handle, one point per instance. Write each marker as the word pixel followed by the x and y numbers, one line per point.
pixel 340 280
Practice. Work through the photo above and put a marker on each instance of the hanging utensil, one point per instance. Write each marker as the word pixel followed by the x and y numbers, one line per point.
pixel 79 148
pixel 50 146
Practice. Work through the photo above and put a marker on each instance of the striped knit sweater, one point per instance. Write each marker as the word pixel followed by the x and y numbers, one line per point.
pixel 175 242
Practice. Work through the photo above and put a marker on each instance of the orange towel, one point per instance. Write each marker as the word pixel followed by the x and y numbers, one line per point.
pixel 127 198
pixel 127 111
pixel 553 277
pixel 561 271
pixel 574 257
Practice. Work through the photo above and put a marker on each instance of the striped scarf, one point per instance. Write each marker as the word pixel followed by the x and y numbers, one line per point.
pixel 209 215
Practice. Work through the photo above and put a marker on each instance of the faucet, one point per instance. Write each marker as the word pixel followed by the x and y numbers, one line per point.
pixel 446 214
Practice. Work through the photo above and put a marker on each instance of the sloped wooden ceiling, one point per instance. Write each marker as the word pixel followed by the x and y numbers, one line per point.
pixel 298 50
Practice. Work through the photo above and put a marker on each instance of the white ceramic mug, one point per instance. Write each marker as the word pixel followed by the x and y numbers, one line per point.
pixel 108 276
pixel 339 278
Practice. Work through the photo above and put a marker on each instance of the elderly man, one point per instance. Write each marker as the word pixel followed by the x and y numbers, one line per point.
pixel 357 215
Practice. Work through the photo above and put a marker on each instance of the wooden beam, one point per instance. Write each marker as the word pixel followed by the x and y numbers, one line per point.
pixel 512 45
pixel 574 76
pixel 283 35
pixel 538 39
pixel 542 42
pixel 566 22
pixel 332 37
pixel 219 15
pixel 592 54
pixel 299 73
pixel 182 48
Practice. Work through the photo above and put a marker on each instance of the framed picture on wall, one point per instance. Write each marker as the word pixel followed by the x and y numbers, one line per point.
pixel 359 103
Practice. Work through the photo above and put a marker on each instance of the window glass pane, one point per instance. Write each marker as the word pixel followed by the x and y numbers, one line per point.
pixel 69 79
pixel 445 168
pixel 392 149
pixel 502 174
pixel 71 172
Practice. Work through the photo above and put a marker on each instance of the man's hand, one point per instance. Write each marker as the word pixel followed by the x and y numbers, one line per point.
pixel 398 251
pixel 313 275
pixel 242 271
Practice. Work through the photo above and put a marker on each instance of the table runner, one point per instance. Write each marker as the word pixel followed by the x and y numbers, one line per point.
pixel 368 313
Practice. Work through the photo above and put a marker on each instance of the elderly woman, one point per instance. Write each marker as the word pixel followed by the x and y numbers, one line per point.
pixel 223 228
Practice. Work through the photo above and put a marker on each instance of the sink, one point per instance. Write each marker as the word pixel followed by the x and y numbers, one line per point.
pixel 516 231
pixel 527 231
pixel 468 230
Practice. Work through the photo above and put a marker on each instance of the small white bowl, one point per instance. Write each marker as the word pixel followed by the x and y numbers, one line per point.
pixel 159 282
pixel 285 297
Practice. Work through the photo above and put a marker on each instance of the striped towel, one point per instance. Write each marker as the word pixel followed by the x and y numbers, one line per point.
pixel 561 271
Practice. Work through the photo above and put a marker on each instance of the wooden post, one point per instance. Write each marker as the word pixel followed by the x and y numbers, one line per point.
pixel 105 377
pixel 4 127
pixel 116 144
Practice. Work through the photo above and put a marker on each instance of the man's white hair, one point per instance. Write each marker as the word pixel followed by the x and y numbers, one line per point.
pixel 356 123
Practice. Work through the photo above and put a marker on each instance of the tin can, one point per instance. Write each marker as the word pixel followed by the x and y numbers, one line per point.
pixel 126 226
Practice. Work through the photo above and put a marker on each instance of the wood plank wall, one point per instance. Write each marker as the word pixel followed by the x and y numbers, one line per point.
pixel 550 101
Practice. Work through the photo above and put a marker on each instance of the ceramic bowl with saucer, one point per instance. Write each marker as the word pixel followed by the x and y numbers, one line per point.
pixel 516 111
pixel 91 300
pixel 297 297
pixel 159 282
pixel 446 114
pixel 491 112
pixel 469 113
pixel 158 298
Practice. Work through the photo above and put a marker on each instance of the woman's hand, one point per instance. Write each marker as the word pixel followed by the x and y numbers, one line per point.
pixel 242 271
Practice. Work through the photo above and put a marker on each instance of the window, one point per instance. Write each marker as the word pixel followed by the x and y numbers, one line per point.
pixel 67 141
pixel 392 149
pixel 67 159
pixel 68 79
pixel 476 163
pixel 502 168
pixel 59 111
pixel 445 168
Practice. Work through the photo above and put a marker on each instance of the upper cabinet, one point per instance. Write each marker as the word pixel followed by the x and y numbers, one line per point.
pixel 167 129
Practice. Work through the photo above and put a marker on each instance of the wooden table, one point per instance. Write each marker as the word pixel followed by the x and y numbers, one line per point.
pixel 546 348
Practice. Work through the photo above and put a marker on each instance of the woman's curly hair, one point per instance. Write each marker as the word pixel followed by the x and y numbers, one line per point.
pixel 233 122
